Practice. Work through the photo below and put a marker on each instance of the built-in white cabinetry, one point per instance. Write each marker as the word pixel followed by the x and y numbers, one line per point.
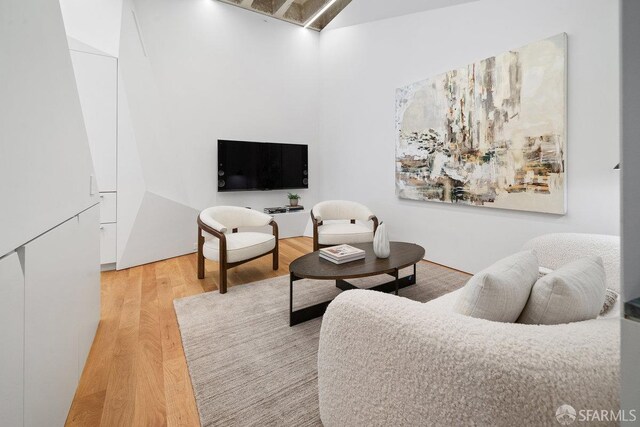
pixel 49 313
pixel 107 243
pixel 87 285
pixel 108 226
pixel 107 208
pixel 97 81
pixel 12 333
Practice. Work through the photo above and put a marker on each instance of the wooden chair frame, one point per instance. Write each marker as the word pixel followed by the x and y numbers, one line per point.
pixel 223 265
pixel 317 223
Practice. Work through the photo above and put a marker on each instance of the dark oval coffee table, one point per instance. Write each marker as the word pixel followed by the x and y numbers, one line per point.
pixel 312 266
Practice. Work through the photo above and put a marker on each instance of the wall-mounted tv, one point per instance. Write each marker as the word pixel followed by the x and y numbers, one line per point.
pixel 244 166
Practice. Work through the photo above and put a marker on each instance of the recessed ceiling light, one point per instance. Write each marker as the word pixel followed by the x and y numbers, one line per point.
pixel 320 12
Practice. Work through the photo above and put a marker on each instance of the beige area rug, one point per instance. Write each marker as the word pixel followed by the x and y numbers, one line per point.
pixel 248 367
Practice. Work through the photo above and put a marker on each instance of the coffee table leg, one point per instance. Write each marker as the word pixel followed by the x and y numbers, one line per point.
pixel 290 299
pixel 396 273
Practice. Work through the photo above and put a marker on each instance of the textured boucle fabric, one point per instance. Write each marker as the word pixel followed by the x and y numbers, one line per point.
pixel 557 249
pixel 389 361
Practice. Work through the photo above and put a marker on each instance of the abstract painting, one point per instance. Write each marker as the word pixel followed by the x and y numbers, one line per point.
pixel 490 134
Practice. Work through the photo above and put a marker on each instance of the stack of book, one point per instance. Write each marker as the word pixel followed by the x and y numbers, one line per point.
pixel 341 254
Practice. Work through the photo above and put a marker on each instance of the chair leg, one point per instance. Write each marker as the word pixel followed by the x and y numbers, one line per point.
pixel 200 255
pixel 275 258
pixel 223 278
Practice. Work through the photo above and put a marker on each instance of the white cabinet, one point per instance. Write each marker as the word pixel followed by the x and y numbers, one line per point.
pixel 107 208
pixel 12 333
pixel 88 285
pixel 62 287
pixel 97 81
pixel 107 243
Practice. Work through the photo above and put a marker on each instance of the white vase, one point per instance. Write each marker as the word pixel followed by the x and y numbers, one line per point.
pixel 381 242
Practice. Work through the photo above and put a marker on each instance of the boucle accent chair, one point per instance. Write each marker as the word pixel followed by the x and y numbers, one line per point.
pixel 385 360
pixel 219 239
pixel 343 227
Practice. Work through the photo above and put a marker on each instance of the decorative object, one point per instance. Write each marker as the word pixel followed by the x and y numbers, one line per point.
pixel 248 367
pixel 381 242
pixel 293 199
pixel 609 301
pixel 342 227
pixel 490 134
pixel 341 254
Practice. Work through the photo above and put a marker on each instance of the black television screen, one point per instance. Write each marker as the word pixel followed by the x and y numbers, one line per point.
pixel 244 165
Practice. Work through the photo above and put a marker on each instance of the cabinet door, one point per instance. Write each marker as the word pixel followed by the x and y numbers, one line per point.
pixel 96 79
pixel 87 265
pixel 62 306
pixel 12 336
pixel 108 243
pixel 107 207
pixel 51 330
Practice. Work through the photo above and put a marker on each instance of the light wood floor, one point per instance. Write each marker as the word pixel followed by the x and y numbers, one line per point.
pixel 136 373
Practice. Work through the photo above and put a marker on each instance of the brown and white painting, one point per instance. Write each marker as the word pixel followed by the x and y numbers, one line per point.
pixel 490 134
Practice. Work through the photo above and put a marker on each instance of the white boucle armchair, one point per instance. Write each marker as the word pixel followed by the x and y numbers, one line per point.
pixel 384 360
pixel 219 239
pixel 342 226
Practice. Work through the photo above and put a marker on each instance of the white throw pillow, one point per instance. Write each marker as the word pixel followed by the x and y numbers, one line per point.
pixel 572 293
pixel 500 292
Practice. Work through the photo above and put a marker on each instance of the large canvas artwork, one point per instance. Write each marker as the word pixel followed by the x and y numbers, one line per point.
pixel 490 134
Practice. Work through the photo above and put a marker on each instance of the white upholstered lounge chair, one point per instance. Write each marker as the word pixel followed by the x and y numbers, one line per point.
pixel 220 241
pixel 345 231
pixel 389 361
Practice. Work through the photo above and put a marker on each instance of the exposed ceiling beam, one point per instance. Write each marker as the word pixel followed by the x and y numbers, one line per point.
pixel 282 8
pixel 311 7
pixel 295 11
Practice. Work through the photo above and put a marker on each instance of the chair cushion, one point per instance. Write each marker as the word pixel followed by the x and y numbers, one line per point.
pixel 341 210
pixel 500 292
pixel 240 246
pixel 572 293
pixel 341 232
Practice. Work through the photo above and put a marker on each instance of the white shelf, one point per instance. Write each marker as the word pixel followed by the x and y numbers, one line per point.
pixel 292 224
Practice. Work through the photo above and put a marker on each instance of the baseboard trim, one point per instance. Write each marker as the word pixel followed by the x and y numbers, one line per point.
pixel 108 267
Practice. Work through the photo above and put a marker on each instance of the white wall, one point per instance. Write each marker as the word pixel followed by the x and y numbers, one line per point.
pixel 362 65
pixel 94 22
pixel 199 71
pixel 45 164
pixel 219 72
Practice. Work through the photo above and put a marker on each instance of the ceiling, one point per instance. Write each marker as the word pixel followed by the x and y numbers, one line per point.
pixel 295 11
pixel 361 11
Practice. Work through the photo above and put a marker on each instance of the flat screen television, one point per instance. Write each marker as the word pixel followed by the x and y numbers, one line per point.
pixel 245 166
